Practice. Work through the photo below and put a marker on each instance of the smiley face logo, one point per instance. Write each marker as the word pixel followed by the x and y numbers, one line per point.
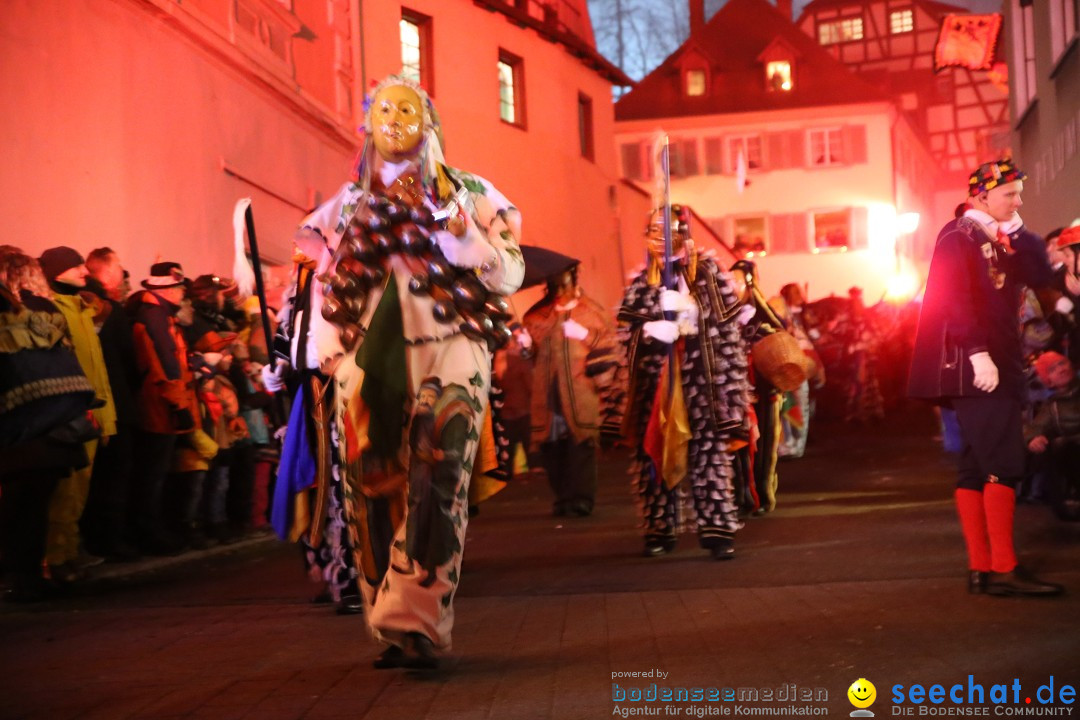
pixel 862 693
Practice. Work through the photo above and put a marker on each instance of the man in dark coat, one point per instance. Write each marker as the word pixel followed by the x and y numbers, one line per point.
pixel 967 355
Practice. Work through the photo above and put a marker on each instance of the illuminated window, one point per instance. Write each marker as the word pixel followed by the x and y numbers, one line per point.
pixel 749 236
pixel 415 36
pixel 826 147
pixel 585 126
pixel 511 89
pixel 901 21
pixel 695 83
pixel 832 230
pixel 750 147
pixel 838 31
pixel 778 75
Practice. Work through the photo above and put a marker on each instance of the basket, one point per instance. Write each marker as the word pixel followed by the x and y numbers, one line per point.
pixel 780 360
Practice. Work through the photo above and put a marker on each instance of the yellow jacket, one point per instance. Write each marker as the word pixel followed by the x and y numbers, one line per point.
pixel 80 320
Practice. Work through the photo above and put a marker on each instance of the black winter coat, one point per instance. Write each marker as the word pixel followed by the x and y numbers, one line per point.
pixel 972 305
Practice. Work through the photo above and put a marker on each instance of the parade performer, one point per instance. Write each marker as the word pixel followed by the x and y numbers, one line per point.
pixel 795 408
pixel 967 357
pixel 574 341
pixel 309 500
pixel 412 377
pixel 758 476
pixel 687 393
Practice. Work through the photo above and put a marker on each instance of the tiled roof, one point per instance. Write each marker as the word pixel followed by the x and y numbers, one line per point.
pixel 732 42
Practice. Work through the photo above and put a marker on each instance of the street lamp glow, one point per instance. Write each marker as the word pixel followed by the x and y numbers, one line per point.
pixel 907 223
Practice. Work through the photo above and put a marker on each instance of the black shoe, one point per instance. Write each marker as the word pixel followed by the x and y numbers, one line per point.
pixel 1020 582
pixel 391 657
pixel 351 605
pixel 723 549
pixel 421 653
pixel 977 582
pixel 580 508
pixel 120 551
pixel 655 547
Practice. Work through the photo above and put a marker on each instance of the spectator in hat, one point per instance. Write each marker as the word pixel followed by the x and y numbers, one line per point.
pixel 66 272
pixel 166 398
pixel 967 355
pixel 575 361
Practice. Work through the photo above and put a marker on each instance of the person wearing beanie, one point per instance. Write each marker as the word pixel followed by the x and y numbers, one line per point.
pixel 66 272
pixel 967 356
pixel 166 399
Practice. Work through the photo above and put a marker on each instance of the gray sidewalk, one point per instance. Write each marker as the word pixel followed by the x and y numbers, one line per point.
pixel 859 573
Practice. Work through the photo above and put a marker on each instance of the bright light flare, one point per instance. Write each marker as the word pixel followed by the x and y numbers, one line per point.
pixel 902 286
pixel 907 223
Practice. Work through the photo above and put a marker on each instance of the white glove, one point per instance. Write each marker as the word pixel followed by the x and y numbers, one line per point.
pixel 273 376
pixel 674 301
pixel 745 313
pixel 524 339
pixel 986 372
pixel 1064 305
pixel 665 331
pixel 574 330
pixel 466 252
pixel 280 433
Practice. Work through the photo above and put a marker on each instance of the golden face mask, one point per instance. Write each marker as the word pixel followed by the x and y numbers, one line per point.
pixel 397 123
pixel 654 233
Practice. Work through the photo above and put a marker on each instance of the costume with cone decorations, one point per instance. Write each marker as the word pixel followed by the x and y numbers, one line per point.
pixel 967 355
pixel 383 321
pixel 685 403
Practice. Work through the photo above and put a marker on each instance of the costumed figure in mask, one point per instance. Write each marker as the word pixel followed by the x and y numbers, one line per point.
pixel 687 393
pixel 795 410
pixel 418 256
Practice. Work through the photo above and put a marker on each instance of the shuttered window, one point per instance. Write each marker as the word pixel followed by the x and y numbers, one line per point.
pixel 784 150
pixel 714 156
pixel 788 233
pixel 631 161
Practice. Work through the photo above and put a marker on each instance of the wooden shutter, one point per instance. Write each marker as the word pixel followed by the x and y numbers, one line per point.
pixel 714 156
pixel 784 149
pixel 631 161
pixel 788 233
pixel 690 158
pixel 854 144
pixel 860 230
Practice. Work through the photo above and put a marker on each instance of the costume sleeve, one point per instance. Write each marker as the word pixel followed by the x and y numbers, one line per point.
pixel 959 266
pixel 495 221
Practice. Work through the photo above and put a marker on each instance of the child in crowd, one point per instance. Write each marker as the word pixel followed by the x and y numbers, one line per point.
pixel 1055 430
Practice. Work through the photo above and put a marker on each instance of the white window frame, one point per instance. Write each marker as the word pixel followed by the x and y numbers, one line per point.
pixel 790 75
pixel 1063 28
pixel 827 132
pixel 734 142
pixel 766 238
pixel 1023 67
pixel 901 21
pixel 814 249
pixel 841 30
pixel 690 86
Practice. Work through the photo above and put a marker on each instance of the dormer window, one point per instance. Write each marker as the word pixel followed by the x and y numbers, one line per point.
pixel 695 83
pixel 778 76
pixel 778 60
